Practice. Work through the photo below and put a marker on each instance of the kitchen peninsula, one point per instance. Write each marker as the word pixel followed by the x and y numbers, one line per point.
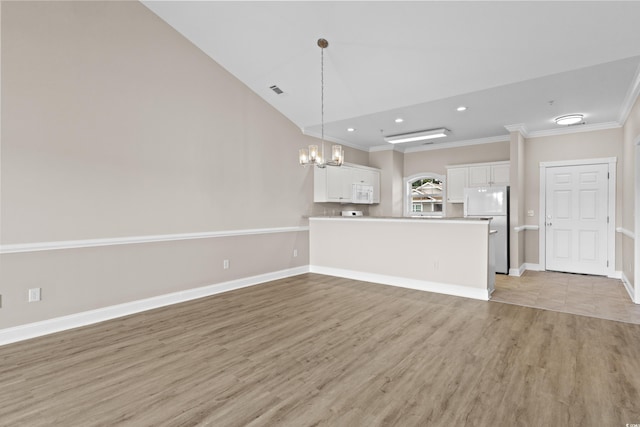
pixel 445 255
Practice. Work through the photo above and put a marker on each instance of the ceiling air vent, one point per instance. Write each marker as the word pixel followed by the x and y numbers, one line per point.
pixel 276 89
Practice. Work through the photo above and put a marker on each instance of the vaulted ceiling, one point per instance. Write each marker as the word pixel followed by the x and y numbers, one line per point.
pixel 507 62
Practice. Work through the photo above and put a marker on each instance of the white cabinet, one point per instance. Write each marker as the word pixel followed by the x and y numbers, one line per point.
pixel 474 175
pixel 500 174
pixel 337 180
pixel 487 175
pixel 479 176
pixel 335 184
pixel 457 180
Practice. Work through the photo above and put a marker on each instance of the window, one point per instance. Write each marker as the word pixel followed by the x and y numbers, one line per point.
pixel 425 195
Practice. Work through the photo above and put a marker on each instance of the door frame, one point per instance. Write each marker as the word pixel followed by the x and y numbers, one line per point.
pixel 611 209
pixel 636 214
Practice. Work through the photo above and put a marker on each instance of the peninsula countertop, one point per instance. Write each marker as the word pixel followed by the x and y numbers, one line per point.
pixel 398 218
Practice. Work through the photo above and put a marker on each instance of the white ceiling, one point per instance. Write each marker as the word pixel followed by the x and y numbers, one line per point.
pixel 419 60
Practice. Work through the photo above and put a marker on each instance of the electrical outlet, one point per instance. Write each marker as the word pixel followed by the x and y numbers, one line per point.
pixel 295 253
pixel 34 294
pixel 529 213
pixel 225 264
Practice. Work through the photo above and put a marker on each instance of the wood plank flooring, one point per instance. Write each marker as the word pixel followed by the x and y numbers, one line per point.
pixel 592 296
pixel 316 350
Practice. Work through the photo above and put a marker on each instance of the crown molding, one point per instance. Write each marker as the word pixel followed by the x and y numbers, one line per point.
pixel 630 99
pixel 455 144
pixel 518 127
pixel 575 129
pixel 334 140
pixel 388 147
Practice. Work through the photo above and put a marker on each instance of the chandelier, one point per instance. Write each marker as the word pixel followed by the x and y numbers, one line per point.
pixel 313 155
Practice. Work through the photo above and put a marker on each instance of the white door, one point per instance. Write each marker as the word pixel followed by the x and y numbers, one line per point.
pixel 577 200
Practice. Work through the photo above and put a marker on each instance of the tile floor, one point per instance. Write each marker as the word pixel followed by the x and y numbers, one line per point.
pixel 592 296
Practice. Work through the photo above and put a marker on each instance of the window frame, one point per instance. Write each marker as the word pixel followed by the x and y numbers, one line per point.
pixel 408 200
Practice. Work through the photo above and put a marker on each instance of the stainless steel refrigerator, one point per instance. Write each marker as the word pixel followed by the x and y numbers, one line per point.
pixel 492 202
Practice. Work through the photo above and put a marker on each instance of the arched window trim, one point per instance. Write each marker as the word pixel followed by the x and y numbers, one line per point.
pixel 407 193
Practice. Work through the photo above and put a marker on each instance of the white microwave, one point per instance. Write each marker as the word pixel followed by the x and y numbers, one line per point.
pixel 362 193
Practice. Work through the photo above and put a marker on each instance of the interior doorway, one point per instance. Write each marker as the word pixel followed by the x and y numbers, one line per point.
pixel 577 216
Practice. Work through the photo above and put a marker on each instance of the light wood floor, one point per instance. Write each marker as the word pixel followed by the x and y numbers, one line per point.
pixel 592 296
pixel 318 350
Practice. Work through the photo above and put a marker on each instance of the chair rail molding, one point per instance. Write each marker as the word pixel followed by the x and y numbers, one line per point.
pixel 89 243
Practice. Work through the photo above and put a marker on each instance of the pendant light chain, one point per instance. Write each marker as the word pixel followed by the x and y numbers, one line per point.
pixel 312 156
pixel 322 99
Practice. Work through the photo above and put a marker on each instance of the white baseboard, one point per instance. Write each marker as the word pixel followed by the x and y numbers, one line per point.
pixel 628 287
pixel 532 267
pixel 58 324
pixel 615 275
pixel 517 272
pixel 421 285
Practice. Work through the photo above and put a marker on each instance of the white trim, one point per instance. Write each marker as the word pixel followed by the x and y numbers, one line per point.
pixel 402 282
pixel 405 220
pixel 630 99
pixel 467 165
pixel 630 234
pixel 518 127
pixel 517 272
pixel 617 274
pixel 628 287
pixel 636 209
pixel 454 144
pixel 329 138
pixel 89 243
pixel 388 147
pixel 520 228
pixel 578 162
pixel 575 129
pixel 611 209
pixel 58 324
pixel 532 267
pixel 407 193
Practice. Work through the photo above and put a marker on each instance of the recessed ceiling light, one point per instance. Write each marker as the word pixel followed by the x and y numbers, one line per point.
pixel 399 120
pixel 461 108
pixel 570 119
pixel 351 129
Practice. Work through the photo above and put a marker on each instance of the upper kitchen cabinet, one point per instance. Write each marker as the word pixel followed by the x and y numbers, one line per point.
pixel 474 175
pixel 489 174
pixel 348 183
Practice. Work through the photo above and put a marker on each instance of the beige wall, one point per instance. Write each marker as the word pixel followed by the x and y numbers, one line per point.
pixel 390 163
pixel 114 125
pixel 436 161
pixel 516 205
pixel 631 136
pixel 575 146
pixel 77 280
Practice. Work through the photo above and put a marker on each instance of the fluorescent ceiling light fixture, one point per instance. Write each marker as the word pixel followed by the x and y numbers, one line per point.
pixel 461 108
pixel 351 129
pixel 570 119
pixel 399 120
pixel 417 136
